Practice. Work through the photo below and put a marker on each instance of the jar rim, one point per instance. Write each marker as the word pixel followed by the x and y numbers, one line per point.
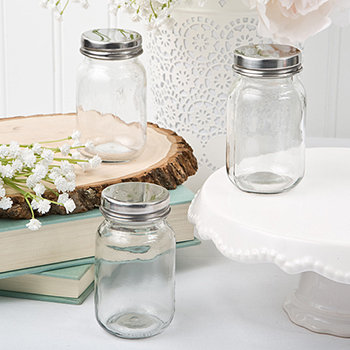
pixel 267 60
pixel 135 201
pixel 111 44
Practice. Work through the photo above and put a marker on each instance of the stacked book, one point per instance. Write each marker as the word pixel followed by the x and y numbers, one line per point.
pixel 55 263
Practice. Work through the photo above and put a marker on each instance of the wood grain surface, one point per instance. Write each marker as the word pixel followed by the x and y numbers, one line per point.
pixel 166 160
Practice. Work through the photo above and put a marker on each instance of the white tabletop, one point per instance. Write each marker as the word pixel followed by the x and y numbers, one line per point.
pixel 220 304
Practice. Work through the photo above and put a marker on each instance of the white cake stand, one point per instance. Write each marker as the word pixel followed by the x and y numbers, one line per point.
pixel 306 230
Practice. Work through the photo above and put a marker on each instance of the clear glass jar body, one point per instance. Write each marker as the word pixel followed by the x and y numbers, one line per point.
pixel 135 278
pixel 265 151
pixel 111 108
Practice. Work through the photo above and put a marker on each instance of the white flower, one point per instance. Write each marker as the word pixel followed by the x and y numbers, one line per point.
pixel 65 149
pixel 76 135
pixel 7 171
pixel 69 205
pixel 39 189
pixel 44 206
pixel 136 17
pixel 58 16
pixel 76 155
pixel 54 173
pixel 294 20
pixel 84 4
pixel 28 157
pixel 113 9
pixel 34 225
pixel 32 180
pixel 70 186
pixel 62 198
pixel 52 4
pixel 44 3
pixel 89 144
pixel 47 155
pixel 169 23
pixel 67 202
pixel 37 148
pixel 95 161
pixel 61 184
pixel 17 165
pixel 2 192
pixel 5 203
pixel 4 151
pixel 70 176
pixel 154 13
pixel 35 204
pixel 66 167
pixel 14 149
pixel 40 170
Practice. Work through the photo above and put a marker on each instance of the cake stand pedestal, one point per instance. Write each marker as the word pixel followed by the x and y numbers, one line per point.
pixel 306 230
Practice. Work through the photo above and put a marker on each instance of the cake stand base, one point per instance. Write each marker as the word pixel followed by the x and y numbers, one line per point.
pixel 320 305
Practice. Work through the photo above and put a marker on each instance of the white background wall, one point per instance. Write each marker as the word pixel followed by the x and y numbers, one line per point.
pixel 39 57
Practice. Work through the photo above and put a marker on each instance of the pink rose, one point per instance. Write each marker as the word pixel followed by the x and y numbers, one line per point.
pixel 296 20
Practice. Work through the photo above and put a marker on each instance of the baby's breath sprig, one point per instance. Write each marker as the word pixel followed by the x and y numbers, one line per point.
pixel 59 6
pixel 154 13
pixel 33 169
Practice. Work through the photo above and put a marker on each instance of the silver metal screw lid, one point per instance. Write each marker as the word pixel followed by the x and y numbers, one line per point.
pixel 267 61
pixel 135 201
pixel 111 44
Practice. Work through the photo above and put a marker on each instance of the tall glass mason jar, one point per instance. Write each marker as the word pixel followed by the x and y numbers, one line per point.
pixel 111 95
pixel 135 261
pixel 265 150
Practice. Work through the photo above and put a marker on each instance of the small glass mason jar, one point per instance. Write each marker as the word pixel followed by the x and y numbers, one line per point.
pixel 135 261
pixel 265 151
pixel 111 95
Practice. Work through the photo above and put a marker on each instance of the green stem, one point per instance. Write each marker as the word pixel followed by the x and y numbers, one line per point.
pixel 46 179
pixel 64 7
pixel 30 207
pixel 19 180
pixel 154 13
pixel 51 190
pixel 60 140
pixel 53 149
pixel 14 186
pixel 73 161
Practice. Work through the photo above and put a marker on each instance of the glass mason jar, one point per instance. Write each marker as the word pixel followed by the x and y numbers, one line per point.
pixel 265 150
pixel 111 95
pixel 135 261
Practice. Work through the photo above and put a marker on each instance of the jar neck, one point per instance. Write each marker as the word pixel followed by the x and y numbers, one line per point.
pixel 269 81
pixel 109 63
pixel 135 224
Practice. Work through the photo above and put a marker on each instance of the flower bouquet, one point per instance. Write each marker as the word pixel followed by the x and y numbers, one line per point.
pixel 33 169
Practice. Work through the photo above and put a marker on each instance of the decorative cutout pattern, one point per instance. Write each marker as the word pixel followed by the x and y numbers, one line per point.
pixel 191 73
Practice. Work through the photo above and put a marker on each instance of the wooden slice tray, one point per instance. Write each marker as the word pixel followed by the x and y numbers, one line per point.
pixel 167 160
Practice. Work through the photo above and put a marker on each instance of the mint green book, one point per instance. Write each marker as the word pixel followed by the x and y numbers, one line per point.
pixel 70 285
pixel 67 240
